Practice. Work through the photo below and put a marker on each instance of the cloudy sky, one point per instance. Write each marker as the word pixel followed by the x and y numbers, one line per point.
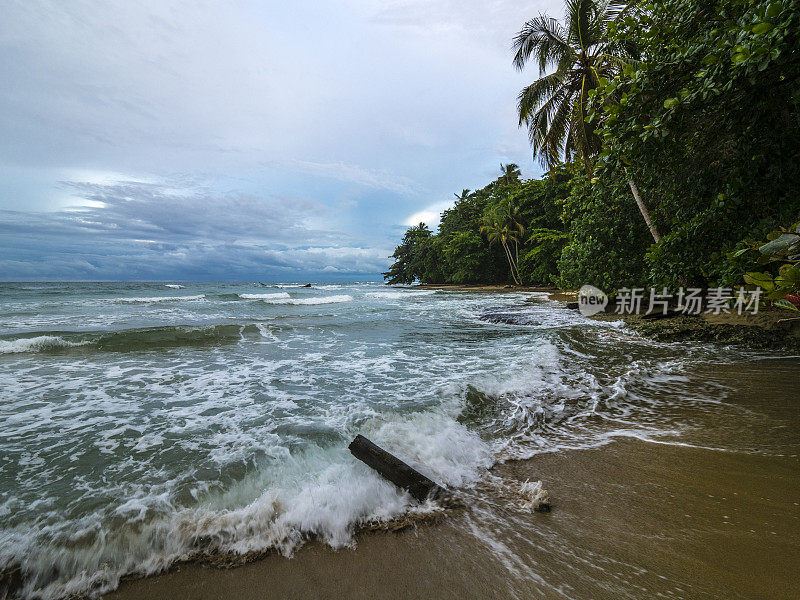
pixel 245 139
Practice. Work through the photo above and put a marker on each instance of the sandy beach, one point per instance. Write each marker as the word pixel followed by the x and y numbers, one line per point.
pixel 713 514
pixel 237 356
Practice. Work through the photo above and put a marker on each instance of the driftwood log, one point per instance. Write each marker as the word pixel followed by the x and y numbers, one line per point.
pixel 396 471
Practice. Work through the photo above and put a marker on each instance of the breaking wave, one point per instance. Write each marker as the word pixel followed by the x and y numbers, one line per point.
pixel 39 343
pixel 131 339
pixel 398 294
pixel 273 295
pixel 158 299
pixel 321 493
pixel 310 301
pixel 243 447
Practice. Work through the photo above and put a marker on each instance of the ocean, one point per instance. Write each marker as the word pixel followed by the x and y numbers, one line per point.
pixel 146 423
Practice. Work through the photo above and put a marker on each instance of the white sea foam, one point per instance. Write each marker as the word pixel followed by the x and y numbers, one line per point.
pixel 273 295
pixel 394 295
pixel 174 286
pixel 144 299
pixel 310 301
pixel 243 447
pixel 41 343
pixel 320 492
pixel 534 495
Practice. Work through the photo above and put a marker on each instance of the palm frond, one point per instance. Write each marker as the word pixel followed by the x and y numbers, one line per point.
pixel 534 95
pixel 544 38
pixel 554 106
pixel 545 133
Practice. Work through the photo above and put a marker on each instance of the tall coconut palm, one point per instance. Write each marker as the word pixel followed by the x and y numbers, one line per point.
pixel 514 219
pixel 509 173
pixel 462 196
pixel 577 53
pixel 553 108
pixel 498 229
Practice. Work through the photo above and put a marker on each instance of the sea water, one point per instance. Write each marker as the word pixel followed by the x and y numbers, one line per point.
pixel 146 423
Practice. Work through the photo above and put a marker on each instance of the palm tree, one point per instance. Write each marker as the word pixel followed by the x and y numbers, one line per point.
pixel 498 229
pixel 510 173
pixel 462 196
pixel 554 107
pixel 514 220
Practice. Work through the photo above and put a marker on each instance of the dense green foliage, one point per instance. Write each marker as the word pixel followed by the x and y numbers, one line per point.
pixel 707 124
pixel 463 251
pixel 705 121
pixel 782 247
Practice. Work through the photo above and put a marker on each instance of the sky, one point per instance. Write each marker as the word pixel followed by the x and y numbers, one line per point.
pixel 246 140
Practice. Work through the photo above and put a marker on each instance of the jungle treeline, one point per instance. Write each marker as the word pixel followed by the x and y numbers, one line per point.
pixel 669 132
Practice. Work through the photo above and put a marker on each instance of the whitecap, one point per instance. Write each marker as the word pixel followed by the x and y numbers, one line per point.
pixel 320 493
pixel 40 343
pixel 263 296
pixel 158 299
pixel 398 294
pixel 310 301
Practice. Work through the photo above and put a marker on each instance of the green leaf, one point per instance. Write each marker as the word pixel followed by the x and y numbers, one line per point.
pixel 791 274
pixel 671 102
pixel 779 244
pixel 762 28
pixel 762 280
pixel 774 10
pixel 779 293
pixel 786 304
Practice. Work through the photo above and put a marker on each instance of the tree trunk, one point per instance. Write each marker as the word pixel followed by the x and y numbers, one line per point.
pixel 510 263
pixel 644 211
pixel 395 470
pixel 516 268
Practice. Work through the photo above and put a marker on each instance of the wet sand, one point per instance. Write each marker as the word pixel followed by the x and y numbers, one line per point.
pixel 714 513
pixel 480 287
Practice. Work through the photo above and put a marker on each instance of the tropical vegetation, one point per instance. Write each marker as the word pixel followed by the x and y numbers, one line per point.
pixel 670 131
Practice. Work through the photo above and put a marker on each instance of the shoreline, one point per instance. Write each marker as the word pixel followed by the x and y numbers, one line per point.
pixel 769 329
pixel 397 542
pixel 479 287
pixel 672 516
pixel 634 491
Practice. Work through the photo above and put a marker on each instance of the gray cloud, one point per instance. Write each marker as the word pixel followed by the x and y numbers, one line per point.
pixel 151 231
pixel 260 129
